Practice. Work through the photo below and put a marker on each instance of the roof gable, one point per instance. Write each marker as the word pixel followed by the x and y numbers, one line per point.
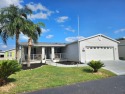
pixel 98 36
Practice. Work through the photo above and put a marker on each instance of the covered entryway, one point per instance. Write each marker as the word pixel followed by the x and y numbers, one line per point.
pixel 48 52
pixel 99 53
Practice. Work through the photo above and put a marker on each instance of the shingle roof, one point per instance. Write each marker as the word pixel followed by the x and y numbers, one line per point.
pixel 43 44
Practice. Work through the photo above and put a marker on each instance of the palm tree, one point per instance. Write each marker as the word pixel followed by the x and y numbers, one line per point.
pixel 13 21
pixel 34 33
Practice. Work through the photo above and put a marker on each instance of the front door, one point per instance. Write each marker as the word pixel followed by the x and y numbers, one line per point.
pixel 48 52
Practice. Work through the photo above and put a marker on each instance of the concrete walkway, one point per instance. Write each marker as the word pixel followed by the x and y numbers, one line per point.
pixel 113 85
pixel 117 67
pixel 62 65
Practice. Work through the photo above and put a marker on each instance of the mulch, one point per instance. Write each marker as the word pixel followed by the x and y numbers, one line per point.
pixel 32 66
pixel 69 62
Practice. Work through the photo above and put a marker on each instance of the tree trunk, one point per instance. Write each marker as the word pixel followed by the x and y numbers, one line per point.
pixel 17 45
pixel 29 51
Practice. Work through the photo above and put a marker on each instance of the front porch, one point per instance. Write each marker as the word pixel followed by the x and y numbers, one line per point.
pixel 42 54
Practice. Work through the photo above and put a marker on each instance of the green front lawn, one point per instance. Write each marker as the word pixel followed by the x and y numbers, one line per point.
pixel 50 76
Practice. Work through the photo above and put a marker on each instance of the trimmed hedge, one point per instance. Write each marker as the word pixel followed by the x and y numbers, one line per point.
pixel 8 67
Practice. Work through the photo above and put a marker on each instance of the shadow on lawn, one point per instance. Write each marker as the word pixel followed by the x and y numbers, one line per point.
pixel 11 80
pixel 88 70
pixel 32 66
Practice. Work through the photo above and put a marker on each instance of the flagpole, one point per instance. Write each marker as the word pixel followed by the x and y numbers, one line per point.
pixel 78 26
pixel 78 42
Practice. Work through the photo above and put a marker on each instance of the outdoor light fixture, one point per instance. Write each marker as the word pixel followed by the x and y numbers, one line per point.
pixel 83 50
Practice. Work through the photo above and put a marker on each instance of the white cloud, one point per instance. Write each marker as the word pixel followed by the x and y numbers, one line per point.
pixel 6 3
pixel 45 30
pixel 119 31
pixel 23 37
pixel 57 11
pixel 72 39
pixel 41 12
pixel 40 15
pixel 62 19
pixel 49 36
pixel 4 46
pixel 36 7
pixel 69 29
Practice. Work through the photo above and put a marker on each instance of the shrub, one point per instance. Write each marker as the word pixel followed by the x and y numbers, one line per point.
pixel 96 65
pixel 8 67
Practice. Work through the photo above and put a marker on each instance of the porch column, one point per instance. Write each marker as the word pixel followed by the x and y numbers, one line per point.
pixel 22 54
pixel 43 54
pixel 52 53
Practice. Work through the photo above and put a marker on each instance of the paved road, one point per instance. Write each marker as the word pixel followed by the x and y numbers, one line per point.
pixel 113 85
pixel 118 66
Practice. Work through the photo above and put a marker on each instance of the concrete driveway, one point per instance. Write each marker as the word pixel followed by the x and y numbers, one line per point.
pixel 118 66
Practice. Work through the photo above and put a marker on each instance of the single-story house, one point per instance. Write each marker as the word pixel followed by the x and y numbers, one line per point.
pixel 121 48
pixel 2 55
pixel 97 47
pixel 10 54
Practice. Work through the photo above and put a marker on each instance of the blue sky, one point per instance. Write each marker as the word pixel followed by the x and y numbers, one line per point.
pixel 60 17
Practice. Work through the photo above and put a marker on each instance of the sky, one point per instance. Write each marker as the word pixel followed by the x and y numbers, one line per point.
pixel 61 19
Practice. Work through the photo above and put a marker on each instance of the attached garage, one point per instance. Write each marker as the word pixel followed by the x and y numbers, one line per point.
pixel 98 47
pixel 99 53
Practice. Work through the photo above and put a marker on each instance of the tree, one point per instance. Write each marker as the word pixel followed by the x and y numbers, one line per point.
pixel 13 21
pixel 34 33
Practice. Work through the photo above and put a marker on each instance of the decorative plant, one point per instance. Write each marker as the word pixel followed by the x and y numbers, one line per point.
pixel 8 67
pixel 96 65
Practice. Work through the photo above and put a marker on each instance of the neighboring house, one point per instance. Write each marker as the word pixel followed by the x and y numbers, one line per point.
pixel 121 48
pixel 10 54
pixel 2 55
pixel 98 47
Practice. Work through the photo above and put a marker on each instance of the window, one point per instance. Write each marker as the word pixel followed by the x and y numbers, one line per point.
pixel 33 50
pixel 87 47
pixel 10 54
pixel 101 47
pixel 97 47
pixel 2 56
pixel 90 47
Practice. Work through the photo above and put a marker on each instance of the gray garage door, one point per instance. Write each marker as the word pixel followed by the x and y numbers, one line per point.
pixel 99 53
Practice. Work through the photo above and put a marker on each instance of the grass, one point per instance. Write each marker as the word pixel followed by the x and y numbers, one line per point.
pixel 50 76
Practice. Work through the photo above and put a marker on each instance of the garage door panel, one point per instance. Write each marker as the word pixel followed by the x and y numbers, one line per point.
pixel 99 53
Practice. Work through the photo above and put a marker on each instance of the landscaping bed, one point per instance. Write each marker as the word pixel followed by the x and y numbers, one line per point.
pixel 50 76
pixel 32 66
pixel 69 62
